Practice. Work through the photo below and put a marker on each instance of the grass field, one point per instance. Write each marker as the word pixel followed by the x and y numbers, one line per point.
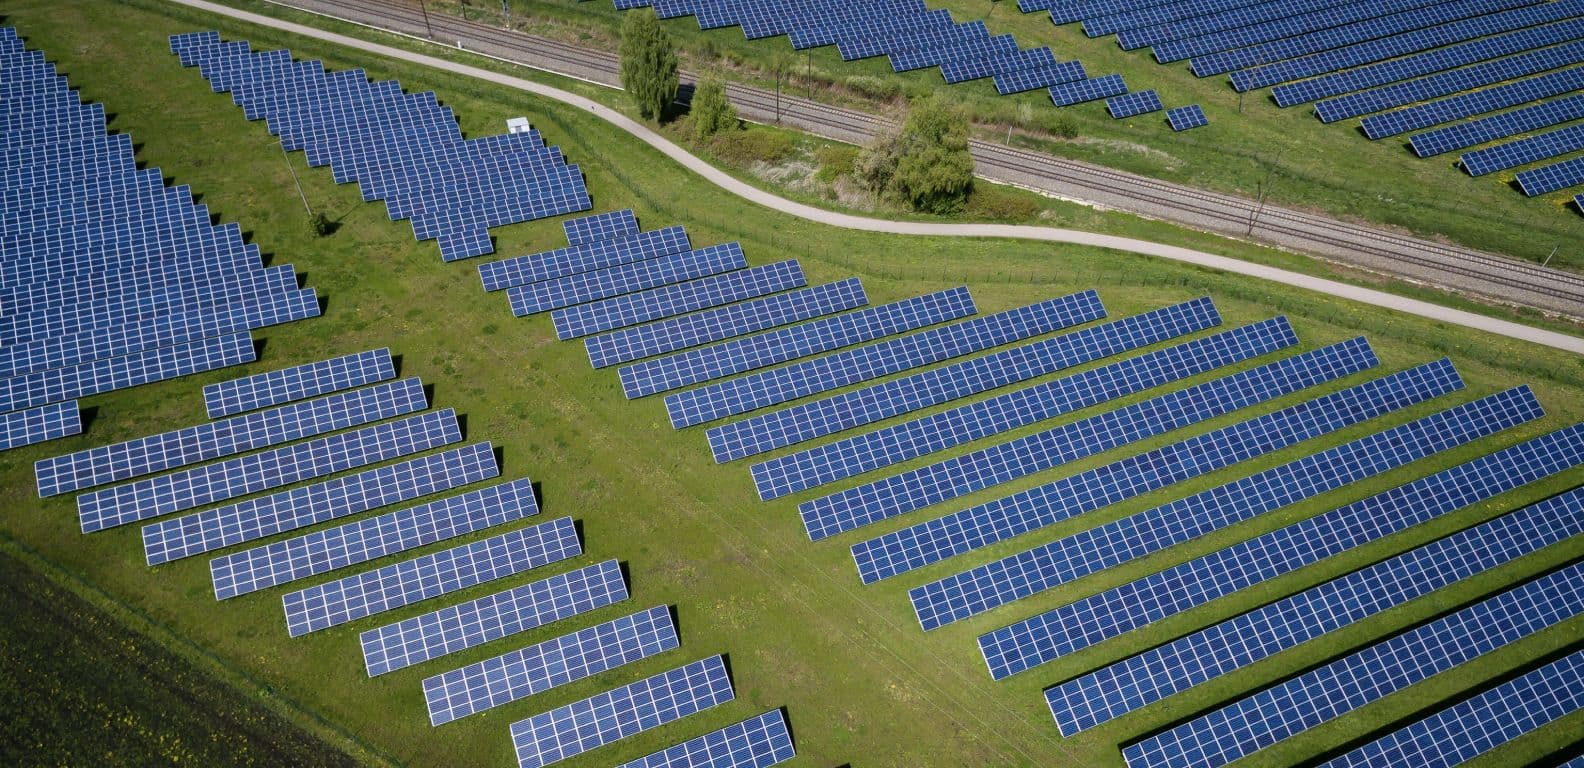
pixel 1250 143
pixel 862 685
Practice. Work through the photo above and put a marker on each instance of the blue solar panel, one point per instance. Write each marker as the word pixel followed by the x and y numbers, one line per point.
pixel 780 385
pixel 522 673
pixel 1078 625
pixel 666 336
pixel 583 287
pixel 600 226
pixel 894 40
pixel 1523 151
pixel 1342 686
pixel 1445 83
pixel 289 510
pixel 297 383
pixel 1065 560
pixel 1550 178
pixel 1018 81
pixel 448 630
pixel 748 353
pixel 209 483
pixel 587 257
pixel 1482 130
pixel 967 50
pixel 666 301
pixel 365 594
pixel 1578 202
pixel 973 69
pixel 1436 60
pixel 1183 118
pixel 859 28
pixel 1477 725
pixel 375 537
pixel 864 406
pixel 46 422
pixel 936 432
pixel 1068 94
pixel 1243 640
pixel 1122 17
pixel 1131 104
pixel 59 384
pixel 757 742
pixel 1468 104
pixel 179 448
pixel 607 717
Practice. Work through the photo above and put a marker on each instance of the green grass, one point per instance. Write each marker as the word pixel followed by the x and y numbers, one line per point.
pixel 861 683
pixel 1249 143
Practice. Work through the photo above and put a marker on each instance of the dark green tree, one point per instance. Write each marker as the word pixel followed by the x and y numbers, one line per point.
pixel 925 164
pixel 648 63
pixel 712 113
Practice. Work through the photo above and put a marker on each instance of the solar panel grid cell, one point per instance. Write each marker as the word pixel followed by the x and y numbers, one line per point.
pixel 894 40
pixel 671 300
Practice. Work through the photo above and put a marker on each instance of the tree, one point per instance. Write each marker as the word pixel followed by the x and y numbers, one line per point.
pixel 712 113
pixel 925 164
pixel 648 63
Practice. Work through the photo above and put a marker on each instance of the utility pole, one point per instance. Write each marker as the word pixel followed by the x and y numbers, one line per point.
pixel 1259 207
pixel 808 72
pixel 506 14
pixel 423 6
pixel 293 172
pixel 1553 253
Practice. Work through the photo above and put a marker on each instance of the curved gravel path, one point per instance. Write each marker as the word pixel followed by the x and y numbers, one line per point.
pixel 1050 234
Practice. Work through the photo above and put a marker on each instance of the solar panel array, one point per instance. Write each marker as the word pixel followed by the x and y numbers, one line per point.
pixel 584 257
pixel 545 295
pixel 1131 104
pixel 1093 89
pixel 35 425
pixel 298 383
pixel 1478 725
pixel 670 300
pixel 757 742
pixel 1468 134
pixel 1447 83
pixel 1550 178
pixel 1523 151
pixel 1184 118
pixel 1472 103
pixel 402 148
pixel 576 728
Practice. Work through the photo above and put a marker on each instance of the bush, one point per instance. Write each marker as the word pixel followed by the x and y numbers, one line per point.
pixel 925 164
pixel 997 203
pixel 835 161
pixel 878 88
pixel 648 64
pixel 321 224
pixel 755 145
pixel 711 112
pixel 1065 127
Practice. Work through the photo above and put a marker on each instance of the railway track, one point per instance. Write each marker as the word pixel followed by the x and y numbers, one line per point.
pixel 1463 270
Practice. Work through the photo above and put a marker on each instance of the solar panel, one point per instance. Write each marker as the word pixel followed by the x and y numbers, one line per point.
pixel 523 673
pixel 1067 559
pixel 179 448
pixel 666 336
pixel 973 69
pixel 600 226
pixel 432 635
pixel 295 508
pixel 1474 103
pixel 1550 178
pixel 828 463
pixel 210 483
pixel 875 360
pixel 1446 83
pixel 1131 104
pixel 1578 202
pixel 365 594
pixel 1183 118
pixel 1544 115
pixel 748 353
pixel 1523 151
pixel 893 40
pixel 369 539
pixel 1477 725
pixel 1044 637
pixel 614 281
pixel 35 425
pixel 59 384
pixel 587 257
pixel 965 50
pixel 753 743
pixel 1068 94
pixel 297 383
pixel 1018 81
pixel 1245 639
pixel 856 408
pixel 670 300
pixel 859 28
pixel 1344 685
pixel 633 708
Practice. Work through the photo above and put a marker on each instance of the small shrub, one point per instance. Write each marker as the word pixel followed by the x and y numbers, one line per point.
pixel 836 161
pixel 878 88
pixel 1065 127
pixel 708 50
pixel 322 225
pixel 755 145
pixel 996 203
pixel 711 112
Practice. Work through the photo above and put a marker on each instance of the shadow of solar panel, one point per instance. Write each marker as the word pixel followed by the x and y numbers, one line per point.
pixel 179 448
pixel 1477 725
pixel 1131 104
pixel 46 422
pixel 1486 129
pixel 1347 684
pixel 726 322
pixel 670 300
pixel 365 594
pixel 1578 202
pixel 1184 118
pixel 523 673
pixel 298 382
pixel 44 387
pixel 1008 83
pixel 798 341
pixel 432 635
pixel 607 717
pixel 584 287
pixel 209 483
pixel 1523 151
pixel 601 226
pixel 1474 103
pixel 1550 178
pixel 1446 83
pixel 1245 639
pixel 1026 573
pixel 879 401
pixel 974 69
pixel 1045 637
pixel 587 257
pixel 1068 94
pixel 908 440
pixel 753 743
